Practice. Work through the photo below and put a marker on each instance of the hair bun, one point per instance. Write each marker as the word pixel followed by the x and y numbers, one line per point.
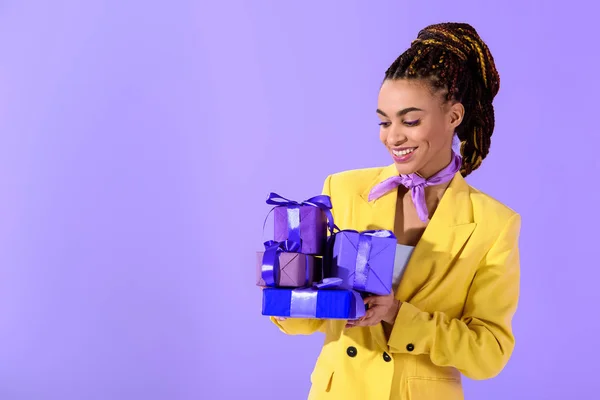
pixel 453 59
pixel 463 41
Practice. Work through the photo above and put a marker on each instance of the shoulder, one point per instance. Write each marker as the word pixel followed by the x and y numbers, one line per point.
pixel 353 181
pixel 491 211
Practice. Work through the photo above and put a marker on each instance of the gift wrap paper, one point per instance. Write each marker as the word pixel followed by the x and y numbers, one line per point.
pixel 295 270
pixel 364 261
pixel 304 224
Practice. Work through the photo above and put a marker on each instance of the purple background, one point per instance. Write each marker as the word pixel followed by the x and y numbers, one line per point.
pixel 138 142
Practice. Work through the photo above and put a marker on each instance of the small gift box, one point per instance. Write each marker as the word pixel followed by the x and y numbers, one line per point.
pixel 287 270
pixel 363 260
pixel 323 301
pixel 303 222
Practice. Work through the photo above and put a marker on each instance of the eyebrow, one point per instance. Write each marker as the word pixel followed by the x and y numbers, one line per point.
pixel 401 112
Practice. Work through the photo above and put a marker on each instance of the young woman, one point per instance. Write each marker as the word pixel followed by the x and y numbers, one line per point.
pixel 456 293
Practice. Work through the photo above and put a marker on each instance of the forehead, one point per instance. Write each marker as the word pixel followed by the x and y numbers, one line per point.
pixel 404 93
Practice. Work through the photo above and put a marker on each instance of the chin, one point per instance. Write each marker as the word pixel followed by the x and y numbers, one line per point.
pixel 406 168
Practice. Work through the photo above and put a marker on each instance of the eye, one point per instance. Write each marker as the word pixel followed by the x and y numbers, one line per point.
pixel 384 124
pixel 412 123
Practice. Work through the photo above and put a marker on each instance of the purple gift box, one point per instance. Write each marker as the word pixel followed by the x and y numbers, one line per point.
pixel 363 260
pixel 310 222
pixel 304 222
pixel 294 270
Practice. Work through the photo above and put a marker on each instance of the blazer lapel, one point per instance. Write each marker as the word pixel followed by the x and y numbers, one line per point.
pixel 380 213
pixel 449 228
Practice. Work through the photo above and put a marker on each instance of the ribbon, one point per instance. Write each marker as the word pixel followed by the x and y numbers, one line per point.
pixel 307 269
pixel 304 301
pixel 270 261
pixel 322 202
pixel 329 283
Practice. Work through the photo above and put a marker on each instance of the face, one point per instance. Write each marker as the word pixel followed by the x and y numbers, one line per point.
pixel 417 125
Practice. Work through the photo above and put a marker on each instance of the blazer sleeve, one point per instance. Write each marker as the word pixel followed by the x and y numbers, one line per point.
pixel 480 343
pixel 304 326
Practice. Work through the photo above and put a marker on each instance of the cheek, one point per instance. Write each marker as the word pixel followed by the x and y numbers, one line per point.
pixel 428 134
pixel 382 135
pixel 422 134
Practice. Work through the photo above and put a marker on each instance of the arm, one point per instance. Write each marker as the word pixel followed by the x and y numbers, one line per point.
pixel 303 326
pixel 480 343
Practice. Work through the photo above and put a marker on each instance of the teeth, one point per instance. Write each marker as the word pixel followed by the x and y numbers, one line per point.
pixel 402 152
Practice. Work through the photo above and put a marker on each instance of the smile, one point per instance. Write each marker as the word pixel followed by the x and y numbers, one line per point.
pixel 403 152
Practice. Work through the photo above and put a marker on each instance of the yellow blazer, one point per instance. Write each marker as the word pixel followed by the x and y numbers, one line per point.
pixel 459 293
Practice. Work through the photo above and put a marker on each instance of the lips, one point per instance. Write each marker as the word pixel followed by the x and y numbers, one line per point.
pixel 402 152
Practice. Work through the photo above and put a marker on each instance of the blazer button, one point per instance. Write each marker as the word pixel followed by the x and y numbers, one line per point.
pixel 410 347
pixel 351 351
pixel 386 357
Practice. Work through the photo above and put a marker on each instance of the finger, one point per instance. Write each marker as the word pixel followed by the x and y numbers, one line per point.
pixel 371 321
pixel 363 321
pixel 375 300
pixel 373 316
pixel 350 324
pixel 354 322
pixel 372 300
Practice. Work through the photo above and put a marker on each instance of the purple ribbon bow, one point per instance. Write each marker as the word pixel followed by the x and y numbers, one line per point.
pixel 417 185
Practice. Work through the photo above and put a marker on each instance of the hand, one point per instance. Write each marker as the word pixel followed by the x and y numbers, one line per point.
pixel 381 308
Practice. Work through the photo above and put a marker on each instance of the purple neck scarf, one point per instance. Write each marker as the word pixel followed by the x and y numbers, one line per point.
pixel 417 185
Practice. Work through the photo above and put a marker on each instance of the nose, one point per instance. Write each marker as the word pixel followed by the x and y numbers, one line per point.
pixel 395 136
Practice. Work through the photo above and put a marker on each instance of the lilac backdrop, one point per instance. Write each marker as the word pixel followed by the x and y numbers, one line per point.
pixel 138 142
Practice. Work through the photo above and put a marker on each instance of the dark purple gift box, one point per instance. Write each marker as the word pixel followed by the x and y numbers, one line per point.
pixel 295 270
pixel 364 261
pixel 305 223
pixel 309 221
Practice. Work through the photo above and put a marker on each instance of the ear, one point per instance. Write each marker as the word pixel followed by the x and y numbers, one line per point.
pixel 456 114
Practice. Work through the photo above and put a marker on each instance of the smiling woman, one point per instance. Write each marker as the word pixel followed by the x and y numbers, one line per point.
pixel 416 127
pixel 457 288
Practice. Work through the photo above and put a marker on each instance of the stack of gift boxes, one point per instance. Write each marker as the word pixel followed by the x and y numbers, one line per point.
pixel 307 273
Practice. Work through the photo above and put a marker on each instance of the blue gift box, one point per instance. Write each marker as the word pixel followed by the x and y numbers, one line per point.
pixel 319 303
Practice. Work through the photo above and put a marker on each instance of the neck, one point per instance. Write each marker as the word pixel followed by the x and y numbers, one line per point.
pixel 433 195
pixel 436 165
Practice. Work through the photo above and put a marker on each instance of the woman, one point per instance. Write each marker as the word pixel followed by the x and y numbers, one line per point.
pixel 454 300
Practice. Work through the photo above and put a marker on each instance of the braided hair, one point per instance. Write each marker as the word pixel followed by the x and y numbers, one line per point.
pixel 452 57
